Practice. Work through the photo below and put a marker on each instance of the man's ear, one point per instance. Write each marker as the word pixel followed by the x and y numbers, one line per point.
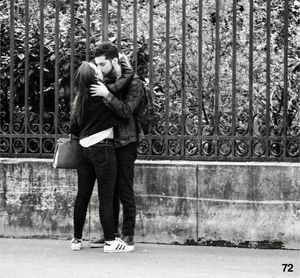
pixel 115 61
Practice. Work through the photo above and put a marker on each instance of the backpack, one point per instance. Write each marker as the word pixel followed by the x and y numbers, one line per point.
pixel 145 111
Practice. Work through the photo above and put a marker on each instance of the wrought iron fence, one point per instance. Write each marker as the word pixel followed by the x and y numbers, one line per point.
pixel 225 74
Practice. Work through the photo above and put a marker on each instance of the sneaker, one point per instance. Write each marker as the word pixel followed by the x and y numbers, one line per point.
pixel 117 246
pixel 128 240
pixel 97 243
pixel 76 244
pixel 100 242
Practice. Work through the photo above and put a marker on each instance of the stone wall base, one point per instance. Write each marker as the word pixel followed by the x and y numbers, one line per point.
pixel 205 203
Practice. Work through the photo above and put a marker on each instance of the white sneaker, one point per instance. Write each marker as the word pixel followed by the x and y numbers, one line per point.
pixel 76 244
pixel 117 246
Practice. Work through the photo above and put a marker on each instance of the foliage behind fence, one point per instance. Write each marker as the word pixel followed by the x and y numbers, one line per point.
pixel 225 74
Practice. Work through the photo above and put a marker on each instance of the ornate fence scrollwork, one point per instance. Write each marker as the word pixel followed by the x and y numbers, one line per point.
pixel 4 145
pixel 191 147
pixel 143 147
pixel 48 146
pixel 158 147
pixel 242 148
pixel 293 149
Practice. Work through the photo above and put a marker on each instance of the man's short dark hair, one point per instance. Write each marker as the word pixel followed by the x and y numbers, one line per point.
pixel 107 49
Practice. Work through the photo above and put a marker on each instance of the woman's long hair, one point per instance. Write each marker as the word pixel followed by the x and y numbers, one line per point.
pixel 84 78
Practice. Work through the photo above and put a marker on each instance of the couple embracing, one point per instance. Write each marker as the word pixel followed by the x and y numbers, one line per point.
pixel 107 94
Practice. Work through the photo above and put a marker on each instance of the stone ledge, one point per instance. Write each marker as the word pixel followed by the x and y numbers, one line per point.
pixel 168 162
pixel 177 202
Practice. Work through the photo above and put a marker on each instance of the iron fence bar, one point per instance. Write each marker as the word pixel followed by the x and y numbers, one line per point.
pixel 26 76
pixel 200 61
pixel 104 20
pixel 0 88
pixel 234 41
pixel 250 98
pixel 135 35
pixel 150 52
pixel 217 65
pixel 268 76
pixel 167 95
pixel 298 129
pixel 11 72
pixel 119 34
pixel 72 56
pixel 285 75
pixel 42 34
pixel 56 74
pixel 88 30
pixel 183 81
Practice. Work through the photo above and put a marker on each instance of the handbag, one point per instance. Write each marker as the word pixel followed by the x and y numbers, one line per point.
pixel 65 153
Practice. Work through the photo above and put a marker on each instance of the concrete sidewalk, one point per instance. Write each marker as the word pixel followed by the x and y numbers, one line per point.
pixel 54 258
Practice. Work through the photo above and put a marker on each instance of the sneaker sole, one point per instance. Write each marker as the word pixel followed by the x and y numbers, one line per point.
pixel 96 245
pixel 76 248
pixel 126 250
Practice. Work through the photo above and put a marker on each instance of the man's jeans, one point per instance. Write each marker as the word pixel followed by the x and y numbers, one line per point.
pixel 96 162
pixel 126 157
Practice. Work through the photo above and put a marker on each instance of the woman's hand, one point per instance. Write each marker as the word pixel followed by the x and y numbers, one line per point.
pixel 99 90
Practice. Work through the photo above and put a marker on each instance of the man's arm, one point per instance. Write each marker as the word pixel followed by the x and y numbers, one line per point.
pixel 125 108
pixel 117 88
pixel 127 75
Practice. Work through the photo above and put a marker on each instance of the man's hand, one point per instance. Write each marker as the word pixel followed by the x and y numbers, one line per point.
pixel 99 91
pixel 124 60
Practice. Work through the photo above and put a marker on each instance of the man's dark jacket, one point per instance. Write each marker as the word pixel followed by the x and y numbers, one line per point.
pixel 124 106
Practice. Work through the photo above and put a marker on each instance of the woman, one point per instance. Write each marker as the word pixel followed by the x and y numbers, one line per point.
pixel 93 123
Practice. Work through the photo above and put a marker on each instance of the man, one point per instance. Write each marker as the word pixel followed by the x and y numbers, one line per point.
pixel 123 104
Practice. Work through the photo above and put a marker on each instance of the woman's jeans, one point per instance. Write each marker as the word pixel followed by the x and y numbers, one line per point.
pixel 97 162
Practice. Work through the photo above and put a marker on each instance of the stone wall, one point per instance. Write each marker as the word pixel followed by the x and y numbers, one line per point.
pixel 206 203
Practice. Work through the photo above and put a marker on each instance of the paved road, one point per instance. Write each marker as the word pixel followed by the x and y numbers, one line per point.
pixel 53 258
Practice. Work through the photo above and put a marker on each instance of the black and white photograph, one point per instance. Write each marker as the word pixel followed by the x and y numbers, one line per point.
pixel 149 138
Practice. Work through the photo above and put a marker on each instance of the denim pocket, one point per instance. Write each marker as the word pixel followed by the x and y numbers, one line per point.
pixel 110 153
pixel 102 153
